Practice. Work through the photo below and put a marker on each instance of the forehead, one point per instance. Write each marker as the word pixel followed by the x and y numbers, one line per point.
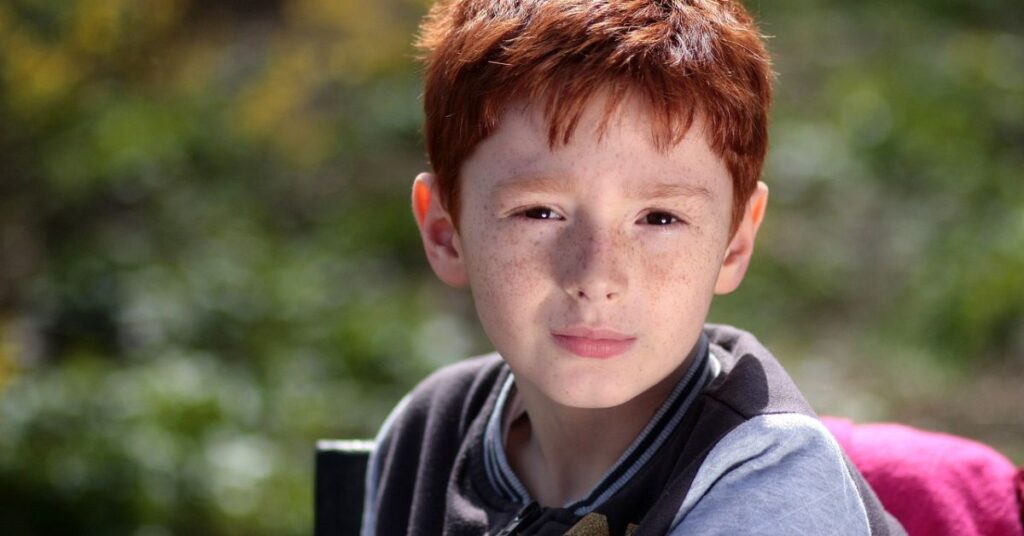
pixel 613 146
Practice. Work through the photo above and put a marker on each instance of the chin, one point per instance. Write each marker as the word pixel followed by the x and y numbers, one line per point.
pixel 595 394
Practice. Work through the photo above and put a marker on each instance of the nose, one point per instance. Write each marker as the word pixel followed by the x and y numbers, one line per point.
pixel 593 263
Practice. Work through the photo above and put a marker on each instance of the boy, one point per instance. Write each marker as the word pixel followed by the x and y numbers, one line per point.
pixel 595 183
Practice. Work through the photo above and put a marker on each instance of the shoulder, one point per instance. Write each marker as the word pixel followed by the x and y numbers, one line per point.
pixel 775 473
pixel 767 441
pixel 427 426
pixel 459 380
pixel 765 454
pixel 450 397
pixel 779 433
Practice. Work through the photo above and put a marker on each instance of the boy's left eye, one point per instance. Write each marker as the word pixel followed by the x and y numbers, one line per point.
pixel 661 218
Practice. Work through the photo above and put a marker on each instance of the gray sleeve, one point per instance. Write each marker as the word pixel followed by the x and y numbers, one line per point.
pixel 369 523
pixel 774 474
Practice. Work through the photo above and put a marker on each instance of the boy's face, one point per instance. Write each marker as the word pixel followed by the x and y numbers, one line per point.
pixel 592 266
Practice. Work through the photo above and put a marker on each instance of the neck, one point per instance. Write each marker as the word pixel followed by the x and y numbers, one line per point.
pixel 560 452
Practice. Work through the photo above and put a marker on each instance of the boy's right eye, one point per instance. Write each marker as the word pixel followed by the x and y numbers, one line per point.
pixel 539 213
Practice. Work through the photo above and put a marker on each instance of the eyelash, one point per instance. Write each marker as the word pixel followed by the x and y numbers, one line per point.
pixel 552 215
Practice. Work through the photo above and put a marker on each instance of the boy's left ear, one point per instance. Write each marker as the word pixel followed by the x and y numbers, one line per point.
pixel 741 247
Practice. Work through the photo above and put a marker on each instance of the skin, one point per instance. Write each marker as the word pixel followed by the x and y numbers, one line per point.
pixel 604 232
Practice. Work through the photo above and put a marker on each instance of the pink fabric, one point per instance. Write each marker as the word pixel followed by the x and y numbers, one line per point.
pixel 935 483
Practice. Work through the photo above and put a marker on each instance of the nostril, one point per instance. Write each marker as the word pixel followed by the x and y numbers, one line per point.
pixel 585 296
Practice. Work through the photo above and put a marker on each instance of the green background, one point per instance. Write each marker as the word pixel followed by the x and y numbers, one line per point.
pixel 207 259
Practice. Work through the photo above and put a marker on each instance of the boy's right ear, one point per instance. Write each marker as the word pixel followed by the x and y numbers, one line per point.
pixel 440 238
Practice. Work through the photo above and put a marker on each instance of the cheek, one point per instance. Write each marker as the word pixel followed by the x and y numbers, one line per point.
pixel 680 274
pixel 507 272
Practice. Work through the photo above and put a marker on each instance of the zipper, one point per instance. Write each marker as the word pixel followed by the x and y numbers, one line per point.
pixel 523 518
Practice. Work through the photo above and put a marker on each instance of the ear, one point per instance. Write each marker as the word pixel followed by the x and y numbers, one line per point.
pixel 440 238
pixel 741 247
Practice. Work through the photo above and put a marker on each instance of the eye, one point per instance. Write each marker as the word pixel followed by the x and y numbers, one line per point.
pixel 661 218
pixel 539 213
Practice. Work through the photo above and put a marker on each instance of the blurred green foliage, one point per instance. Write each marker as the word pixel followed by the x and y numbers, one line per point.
pixel 207 263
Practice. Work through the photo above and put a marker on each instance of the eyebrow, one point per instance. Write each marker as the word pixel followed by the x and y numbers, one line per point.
pixel 667 190
pixel 551 184
pixel 546 184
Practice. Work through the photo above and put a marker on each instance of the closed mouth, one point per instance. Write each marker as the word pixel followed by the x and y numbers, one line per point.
pixel 593 343
pixel 595 333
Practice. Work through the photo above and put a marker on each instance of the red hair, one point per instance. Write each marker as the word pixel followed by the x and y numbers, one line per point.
pixel 680 57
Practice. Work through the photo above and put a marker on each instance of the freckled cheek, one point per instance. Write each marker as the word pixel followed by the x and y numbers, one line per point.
pixel 662 264
pixel 676 275
pixel 510 268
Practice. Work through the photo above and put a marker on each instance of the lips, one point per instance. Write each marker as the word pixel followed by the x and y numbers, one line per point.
pixel 597 343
